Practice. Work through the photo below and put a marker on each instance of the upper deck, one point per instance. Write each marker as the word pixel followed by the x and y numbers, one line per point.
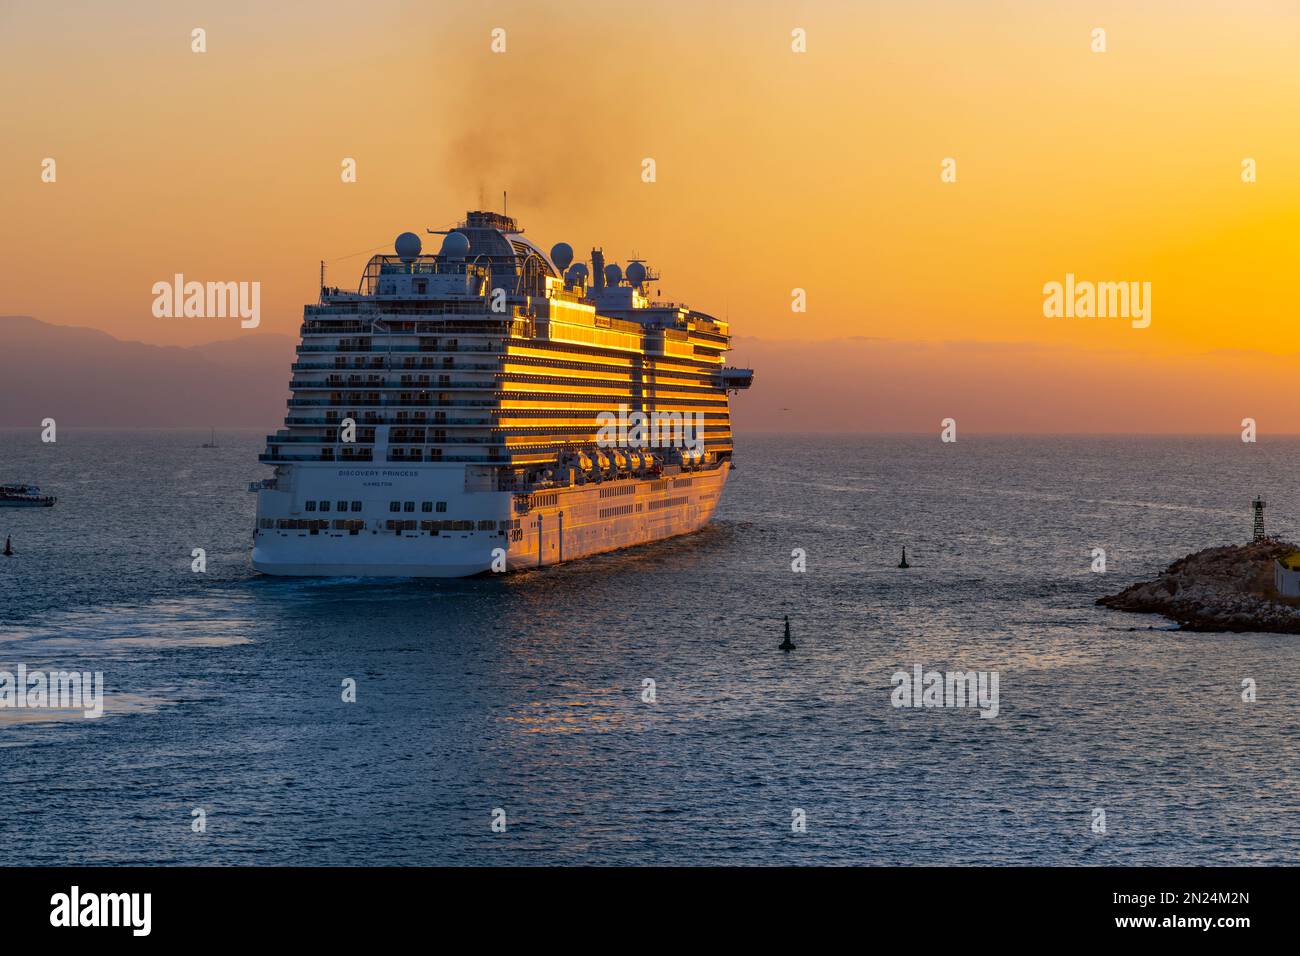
pixel 494 351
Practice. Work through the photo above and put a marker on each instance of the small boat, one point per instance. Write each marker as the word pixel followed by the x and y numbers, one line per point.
pixel 24 496
pixel 213 442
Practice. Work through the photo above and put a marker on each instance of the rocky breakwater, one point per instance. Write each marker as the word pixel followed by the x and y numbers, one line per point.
pixel 1218 589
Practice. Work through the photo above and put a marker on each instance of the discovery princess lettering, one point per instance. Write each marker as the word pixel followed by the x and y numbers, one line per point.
pixel 453 414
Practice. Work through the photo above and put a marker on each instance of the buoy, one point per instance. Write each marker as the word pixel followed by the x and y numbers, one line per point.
pixel 9 548
pixel 787 644
pixel 903 563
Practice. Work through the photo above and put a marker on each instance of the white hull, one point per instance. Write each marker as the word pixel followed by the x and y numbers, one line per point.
pixel 560 524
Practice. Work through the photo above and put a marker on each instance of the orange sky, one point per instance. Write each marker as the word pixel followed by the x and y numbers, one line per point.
pixel 776 170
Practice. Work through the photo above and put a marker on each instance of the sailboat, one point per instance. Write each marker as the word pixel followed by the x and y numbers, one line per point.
pixel 213 442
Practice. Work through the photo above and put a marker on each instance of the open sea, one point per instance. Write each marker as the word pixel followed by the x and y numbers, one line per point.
pixel 524 693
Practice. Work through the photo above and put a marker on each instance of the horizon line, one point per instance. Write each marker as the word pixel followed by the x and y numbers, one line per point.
pixel 757 431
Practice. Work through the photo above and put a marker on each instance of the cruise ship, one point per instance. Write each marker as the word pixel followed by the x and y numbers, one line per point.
pixel 493 407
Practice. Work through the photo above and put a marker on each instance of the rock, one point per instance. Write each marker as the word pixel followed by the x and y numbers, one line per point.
pixel 1218 589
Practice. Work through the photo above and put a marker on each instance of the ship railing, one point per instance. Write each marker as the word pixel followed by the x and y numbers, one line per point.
pixel 272 457
pixel 320 420
pixel 399 386
pixel 436 320
pixel 268 458
pixel 423 265
pixel 478 459
pixel 410 403
pixel 483 442
pixel 380 349
pixel 393 438
pixel 354 370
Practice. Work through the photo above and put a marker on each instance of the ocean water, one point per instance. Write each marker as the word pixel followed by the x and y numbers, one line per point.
pixel 524 692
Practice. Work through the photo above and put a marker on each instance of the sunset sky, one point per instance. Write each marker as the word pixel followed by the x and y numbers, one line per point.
pixel 775 169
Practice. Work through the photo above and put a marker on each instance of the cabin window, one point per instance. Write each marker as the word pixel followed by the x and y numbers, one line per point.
pixel 311 506
pixel 394 506
pixel 342 506
pixel 410 506
pixel 356 506
pixel 442 506
pixel 426 506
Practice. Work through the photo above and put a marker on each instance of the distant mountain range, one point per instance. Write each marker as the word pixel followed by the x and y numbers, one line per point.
pixel 84 377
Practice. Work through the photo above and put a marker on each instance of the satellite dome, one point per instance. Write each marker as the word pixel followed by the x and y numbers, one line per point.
pixel 577 273
pixel 407 246
pixel 635 273
pixel 561 255
pixel 613 274
pixel 455 245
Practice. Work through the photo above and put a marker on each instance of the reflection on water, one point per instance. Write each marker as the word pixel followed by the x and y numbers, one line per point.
pixel 525 692
pixel 115 705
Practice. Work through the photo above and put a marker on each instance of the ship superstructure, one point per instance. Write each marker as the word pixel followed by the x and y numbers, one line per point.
pixel 493 407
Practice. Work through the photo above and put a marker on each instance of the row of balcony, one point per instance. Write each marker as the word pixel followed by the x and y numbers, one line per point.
pixel 490 324
pixel 378 363
pixel 372 419
pixel 410 311
pixel 443 380
pixel 382 348
pixel 365 455
pixel 399 455
pixel 426 400
pixel 392 438
pixel 719 423
pixel 298 383
pixel 494 437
